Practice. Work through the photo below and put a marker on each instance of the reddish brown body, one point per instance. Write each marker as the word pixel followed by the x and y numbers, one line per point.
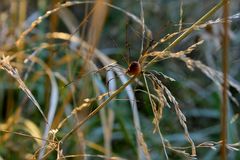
pixel 134 68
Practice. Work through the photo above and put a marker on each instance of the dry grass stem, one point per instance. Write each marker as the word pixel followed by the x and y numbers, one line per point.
pixel 5 65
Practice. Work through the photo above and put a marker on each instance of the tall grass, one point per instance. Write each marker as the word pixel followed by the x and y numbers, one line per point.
pixel 64 96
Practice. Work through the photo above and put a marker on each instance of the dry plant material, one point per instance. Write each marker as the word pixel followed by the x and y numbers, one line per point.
pixel 165 96
pixel 143 145
pixel 86 103
pixel 162 55
pixel 224 104
pixel 5 65
pixel 69 4
pixel 93 156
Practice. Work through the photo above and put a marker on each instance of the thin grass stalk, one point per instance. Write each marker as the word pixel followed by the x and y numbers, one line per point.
pixel 143 22
pixel 114 94
pixel 224 106
pixel 189 30
pixel 200 21
pixel 181 16
pixel 28 136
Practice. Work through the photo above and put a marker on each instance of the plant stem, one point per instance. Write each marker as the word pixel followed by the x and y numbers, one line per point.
pixel 114 94
pixel 190 29
pixel 200 21
pixel 224 110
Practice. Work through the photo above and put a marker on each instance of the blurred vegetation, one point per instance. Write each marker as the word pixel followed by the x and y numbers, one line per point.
pixel 66 58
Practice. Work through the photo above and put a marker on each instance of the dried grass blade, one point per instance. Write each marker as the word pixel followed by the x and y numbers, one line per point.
pixel 5 65
pixel 52 109
pixel 31 128
pixel 106 61
pixel 110 118
pixel 97 23
pixel 39 20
